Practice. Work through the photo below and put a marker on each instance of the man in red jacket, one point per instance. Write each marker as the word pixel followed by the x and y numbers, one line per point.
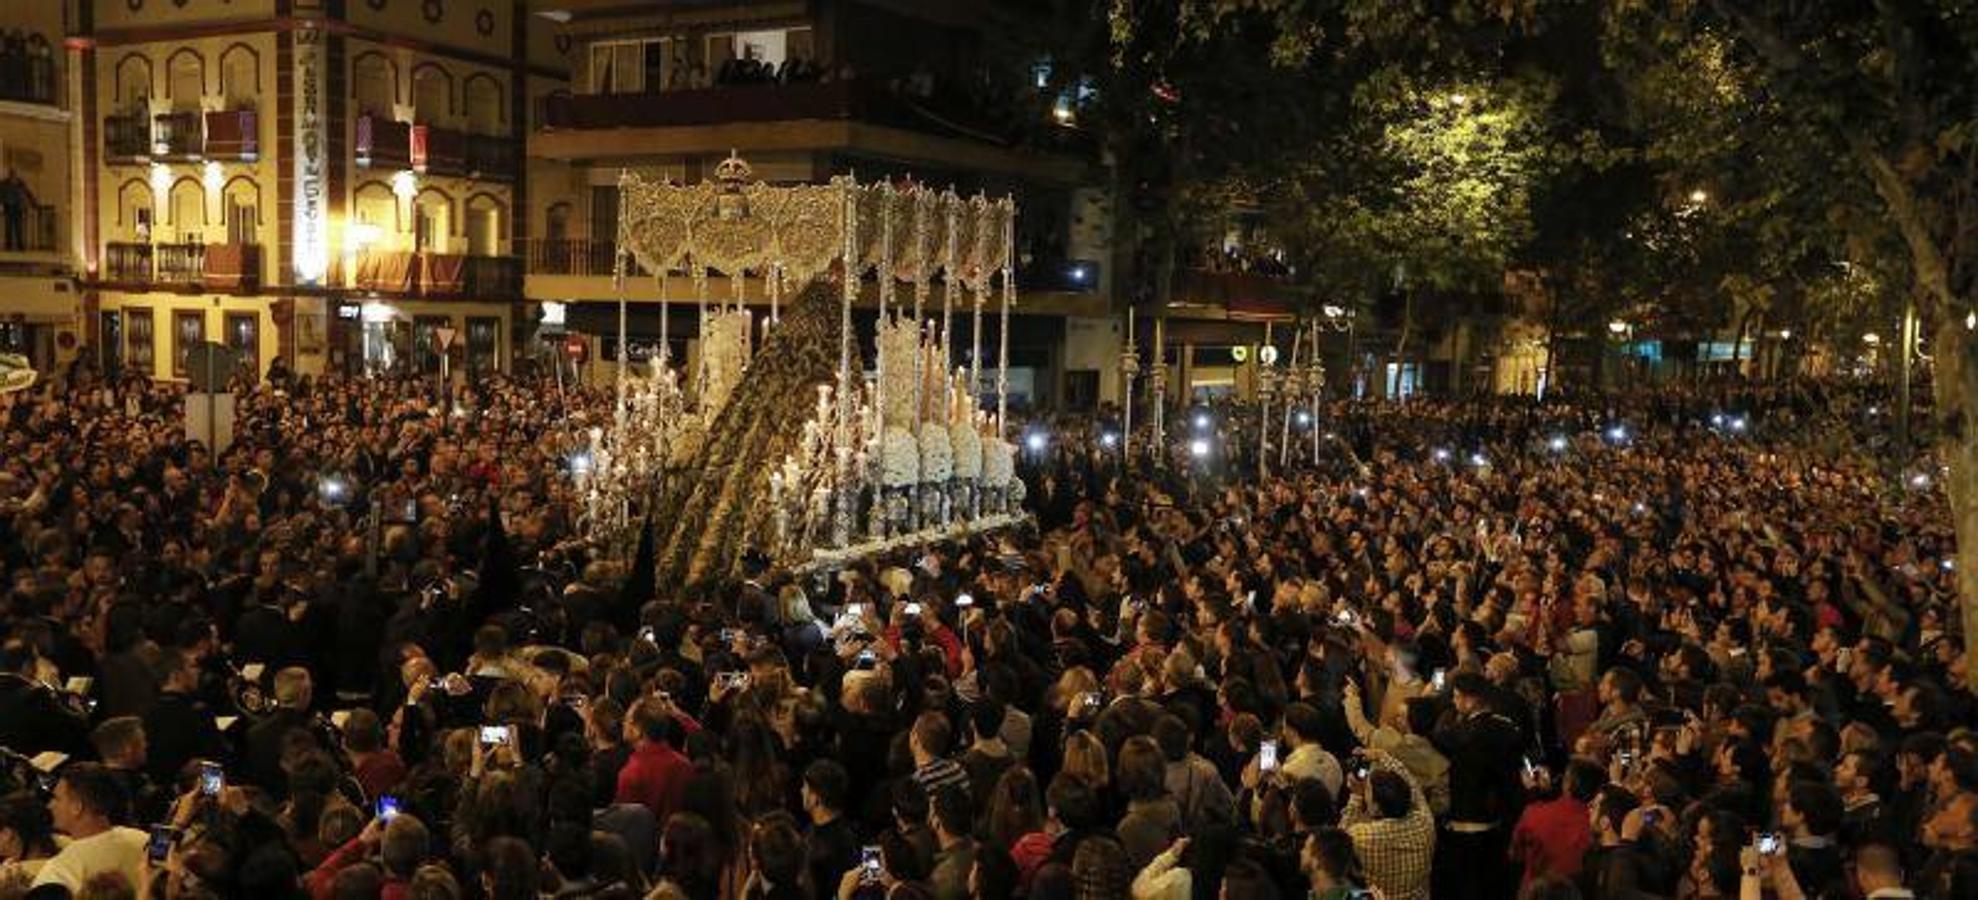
pixel 655 774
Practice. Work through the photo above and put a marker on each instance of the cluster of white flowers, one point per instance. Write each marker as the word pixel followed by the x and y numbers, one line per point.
pixel 966 444
pixel 936 457
pixel 899 461
pixel 998 462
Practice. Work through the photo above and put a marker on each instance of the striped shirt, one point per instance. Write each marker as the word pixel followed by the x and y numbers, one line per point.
pixel 940 774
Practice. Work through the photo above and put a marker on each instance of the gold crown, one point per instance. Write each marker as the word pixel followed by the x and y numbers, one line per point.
pixel 733 169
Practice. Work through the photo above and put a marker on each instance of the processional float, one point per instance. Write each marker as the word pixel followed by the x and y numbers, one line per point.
pixel 771 450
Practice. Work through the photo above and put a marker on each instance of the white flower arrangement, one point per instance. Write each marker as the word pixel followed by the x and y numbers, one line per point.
pixel 899 463
pixel 965 444
pixel 936 458
pixel 998 462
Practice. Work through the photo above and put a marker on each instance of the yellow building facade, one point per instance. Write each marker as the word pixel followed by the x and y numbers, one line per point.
pixel 327 182
pixel 39 312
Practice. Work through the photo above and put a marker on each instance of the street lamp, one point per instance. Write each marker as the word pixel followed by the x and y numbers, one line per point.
pixel 1617 327
pixel 1699 196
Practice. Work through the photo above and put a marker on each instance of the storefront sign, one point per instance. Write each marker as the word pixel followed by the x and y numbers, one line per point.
pixel 311 222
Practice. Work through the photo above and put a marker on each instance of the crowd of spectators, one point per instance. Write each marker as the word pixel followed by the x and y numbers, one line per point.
pixel 1679 644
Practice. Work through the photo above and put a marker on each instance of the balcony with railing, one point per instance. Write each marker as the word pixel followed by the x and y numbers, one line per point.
pixel 33 232
pixel 177 135
pixel 571 256
pixel 492 276
pixel 232 266
pixel 233 135
pixel 127 262
pixel 180 263
pixel 190 263
pixel 26 75
pixel 492 158
pixel 383 143
pixel 437 274
pixel 707 106
pixel 438 151
pixel 127 137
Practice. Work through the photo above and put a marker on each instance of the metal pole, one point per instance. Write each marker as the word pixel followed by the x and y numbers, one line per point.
pixel 1263 411
pixel 1126 396
pixel 1316 385
pixel 1009 297
pixel 1290 402
pixel 1159 445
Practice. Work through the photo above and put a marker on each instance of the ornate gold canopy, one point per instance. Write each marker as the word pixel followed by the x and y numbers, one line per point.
pixel 735 224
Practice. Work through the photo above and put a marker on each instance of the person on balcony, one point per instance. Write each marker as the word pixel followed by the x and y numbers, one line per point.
pixel 13 210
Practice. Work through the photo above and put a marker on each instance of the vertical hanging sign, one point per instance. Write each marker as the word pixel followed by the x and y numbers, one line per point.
pixel 311 222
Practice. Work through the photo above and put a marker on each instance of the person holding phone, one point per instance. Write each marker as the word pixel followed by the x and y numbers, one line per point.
pixel 397 843
pixel 1391 826
pixel 1554 834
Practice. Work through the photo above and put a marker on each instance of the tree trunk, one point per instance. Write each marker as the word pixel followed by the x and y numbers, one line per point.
pixel 1956 395
pixel 1956 389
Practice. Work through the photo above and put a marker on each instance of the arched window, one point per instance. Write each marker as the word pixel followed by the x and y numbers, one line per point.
pixel 432 222
pixel 134 209
pixel 241 204
pixel 188 199
pixel 556 222
pixel 374 209
pixel 484 112
pixel 133 86
pixel 432 94
pixel 485 214
pixel 240 76
pixel 374 83
pixel 185 79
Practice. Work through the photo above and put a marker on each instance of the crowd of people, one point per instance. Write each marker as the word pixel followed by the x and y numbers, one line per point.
pixel 1674 644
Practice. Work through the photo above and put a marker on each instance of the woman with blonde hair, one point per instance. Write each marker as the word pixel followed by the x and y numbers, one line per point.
pixel 1085 757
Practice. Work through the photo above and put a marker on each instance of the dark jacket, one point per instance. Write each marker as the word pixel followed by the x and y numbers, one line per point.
pixel 1484 751
pixel 179 729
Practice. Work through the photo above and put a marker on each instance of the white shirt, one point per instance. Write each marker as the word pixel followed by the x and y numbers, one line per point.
pixel 1312 761
pixel 115 850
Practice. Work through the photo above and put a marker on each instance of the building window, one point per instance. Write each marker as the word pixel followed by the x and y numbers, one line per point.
pixel 110 339
pixel 618 67
pixel 242 217
pixel 188 332
pixel 244 339
pixel 429 227
pixel 139 342
pixel 426 349
pixel 483 345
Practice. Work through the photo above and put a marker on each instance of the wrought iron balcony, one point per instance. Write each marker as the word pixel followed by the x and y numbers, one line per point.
pixel 383 143
pixel 571 256
pixel 181 263
pixel 177 135
pixel 35 233
pixel 438 151
pixel 127 262
pixel 127 137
